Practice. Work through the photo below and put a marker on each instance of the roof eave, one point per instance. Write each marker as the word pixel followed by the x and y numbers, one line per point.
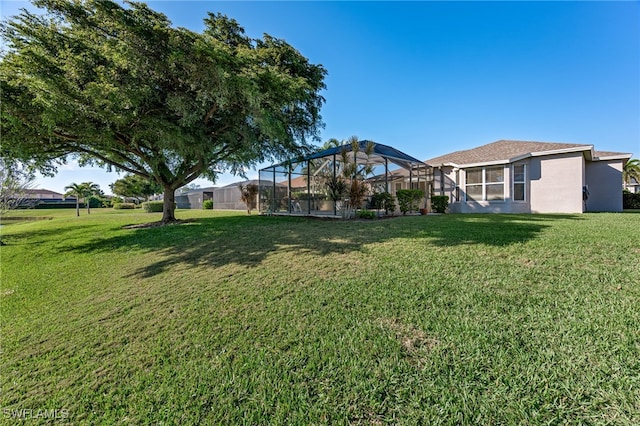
pixel 621 156
pixel 588 148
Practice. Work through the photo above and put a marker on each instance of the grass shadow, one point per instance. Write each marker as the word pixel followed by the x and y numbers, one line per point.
pixel 490 229
pixel 247 240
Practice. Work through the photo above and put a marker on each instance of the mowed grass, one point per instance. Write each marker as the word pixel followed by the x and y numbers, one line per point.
pixel 229 319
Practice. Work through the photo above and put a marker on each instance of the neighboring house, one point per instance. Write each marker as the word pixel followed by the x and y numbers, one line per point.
pixel 193 199
pixel 44 198
pixel 530 177
pixel 224 198
pixel 633 186
pixel 43 194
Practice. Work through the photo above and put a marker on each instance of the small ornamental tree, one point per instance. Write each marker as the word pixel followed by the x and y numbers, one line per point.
pixel 355 172
pixel 15 180
pixel 248 195
pixel 336 187
pixel 119 87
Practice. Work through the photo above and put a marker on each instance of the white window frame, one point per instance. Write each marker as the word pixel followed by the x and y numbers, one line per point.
pixel 523 182
pixel 484 184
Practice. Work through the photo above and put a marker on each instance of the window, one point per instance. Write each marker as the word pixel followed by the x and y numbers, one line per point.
pixel 485 184
pixel 456 193
pixel 494 180
pixel 474 185
pixel 519 174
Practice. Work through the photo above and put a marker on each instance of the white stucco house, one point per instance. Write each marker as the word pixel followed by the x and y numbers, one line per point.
pixel 530 177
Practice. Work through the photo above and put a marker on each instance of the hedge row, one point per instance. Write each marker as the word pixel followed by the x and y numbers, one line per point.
pixel 122 206
pixel 630 200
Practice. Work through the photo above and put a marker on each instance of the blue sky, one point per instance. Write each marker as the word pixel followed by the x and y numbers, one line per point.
pixel 433 77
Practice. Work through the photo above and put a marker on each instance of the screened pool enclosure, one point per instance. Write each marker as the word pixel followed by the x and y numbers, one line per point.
pixel 307 186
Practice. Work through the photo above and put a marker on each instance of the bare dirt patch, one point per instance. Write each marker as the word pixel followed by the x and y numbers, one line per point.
pixel 414 341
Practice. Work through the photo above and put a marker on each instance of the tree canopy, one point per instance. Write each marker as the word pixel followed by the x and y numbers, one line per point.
pixel 120 87
pixel 135 186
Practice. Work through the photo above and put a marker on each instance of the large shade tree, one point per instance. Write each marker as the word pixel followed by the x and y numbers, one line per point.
pixel 118 86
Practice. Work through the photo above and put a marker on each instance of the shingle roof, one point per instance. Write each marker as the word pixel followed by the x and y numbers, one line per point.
pixel 602 154
pixel 502 150
pixel 41 191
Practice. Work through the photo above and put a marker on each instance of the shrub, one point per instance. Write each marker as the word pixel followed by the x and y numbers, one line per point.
pixel 408 199
pixel 153 206
pixel 630 200
pixel 121 206
pixel 95 202
pixel 207 204
pixel 337 188
pixel 383 200
pixel 366 214
pixel 439 203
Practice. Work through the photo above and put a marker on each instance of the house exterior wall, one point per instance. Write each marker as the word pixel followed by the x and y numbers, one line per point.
pixel 556 183
pixel 604 181
pixel 553 184
pixel 508 205
pixel 191 200
pixel 228 198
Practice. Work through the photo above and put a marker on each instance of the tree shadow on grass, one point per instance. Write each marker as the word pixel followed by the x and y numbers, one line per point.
pixel 490 229
pixel 249 240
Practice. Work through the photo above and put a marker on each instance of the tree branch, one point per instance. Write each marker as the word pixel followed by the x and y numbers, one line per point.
pixel 115 164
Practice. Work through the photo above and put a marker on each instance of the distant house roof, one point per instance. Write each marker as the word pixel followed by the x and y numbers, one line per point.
pixel 244 182
pixel 42 192
pixel 503 151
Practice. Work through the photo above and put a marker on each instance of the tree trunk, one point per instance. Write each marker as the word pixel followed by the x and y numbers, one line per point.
pixel 168 208
pixel 77 206
pixel 88 201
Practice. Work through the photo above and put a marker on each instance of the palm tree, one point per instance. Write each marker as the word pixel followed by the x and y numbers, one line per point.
pixel 631 170
pixel 90 189
pixel 82 190
pixel 75 190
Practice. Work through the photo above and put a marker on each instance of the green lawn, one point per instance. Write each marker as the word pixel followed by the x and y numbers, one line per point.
pixel 229 319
